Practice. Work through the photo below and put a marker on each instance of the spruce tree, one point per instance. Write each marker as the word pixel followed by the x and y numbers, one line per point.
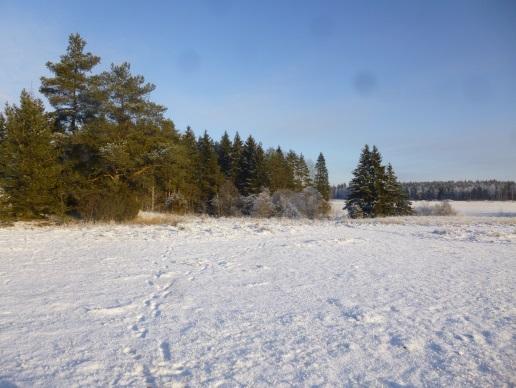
pixel 261 167
pixel 380 196
pixel 361 196
pixel 192 184
pixel 292 161
pixel 398 203
pixel 321 181
pixel 29 163
pixel 69 89
pixel 374 190
pixel 279 174
pixel 302 172
pixel 210 177
pixel 248 178
pixel 2 127
pixel 236 155
pixel 224 149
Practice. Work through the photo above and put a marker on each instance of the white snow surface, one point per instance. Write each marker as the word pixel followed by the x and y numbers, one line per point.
pixel 463 208
pixel 240 302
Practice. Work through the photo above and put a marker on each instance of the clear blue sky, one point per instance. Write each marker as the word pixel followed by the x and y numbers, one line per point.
pixel 431 83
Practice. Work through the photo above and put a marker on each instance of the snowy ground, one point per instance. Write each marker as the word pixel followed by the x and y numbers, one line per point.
pixel 420 301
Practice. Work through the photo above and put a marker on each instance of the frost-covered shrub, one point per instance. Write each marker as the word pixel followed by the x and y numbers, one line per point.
pixel 227 201
pixel 263 205
pixel 307 203
pixel 440 209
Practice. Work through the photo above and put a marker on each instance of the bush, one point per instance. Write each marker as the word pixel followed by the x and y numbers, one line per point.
pixel 307 203
pixel 115 203
pixel 262 205
pixel 440 209
pixel 227 201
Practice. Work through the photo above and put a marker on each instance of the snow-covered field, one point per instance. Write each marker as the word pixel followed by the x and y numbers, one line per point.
pixel 420 301
pixel 463 208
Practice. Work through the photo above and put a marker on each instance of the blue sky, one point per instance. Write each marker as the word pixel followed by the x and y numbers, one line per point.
pixel 431 83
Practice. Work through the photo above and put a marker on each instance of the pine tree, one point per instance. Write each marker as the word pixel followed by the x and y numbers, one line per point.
pixel 224 149
pixel 69 90
pixel 29 164
pixel 125 97
pixel 321 181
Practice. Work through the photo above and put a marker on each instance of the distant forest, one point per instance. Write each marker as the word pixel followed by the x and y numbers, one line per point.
pixel 490 190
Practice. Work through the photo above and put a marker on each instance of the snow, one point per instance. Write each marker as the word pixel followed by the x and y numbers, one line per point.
pixel 405 301
pixel 478 208
pixel 463 208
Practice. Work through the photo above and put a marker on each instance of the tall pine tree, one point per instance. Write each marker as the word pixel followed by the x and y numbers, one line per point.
pixel 69 89
pixel 125 97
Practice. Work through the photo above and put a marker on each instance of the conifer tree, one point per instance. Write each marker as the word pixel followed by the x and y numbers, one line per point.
pixel 29 165
pixel 2 127
pixel 248 178
pixel 69 90
pixel 261 167
pixel 192 189
pixel 302 172
pixel 361 195
pixel 398 203
pixel 279 174
pixel 374 190
pixel 380 196
pixel 236 155
pixel 292 160
pixel 224 149
pixel 125 97
pixel 321 181
pixel 210 177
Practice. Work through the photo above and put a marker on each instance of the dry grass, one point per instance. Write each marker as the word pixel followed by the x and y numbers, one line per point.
pixel 148 218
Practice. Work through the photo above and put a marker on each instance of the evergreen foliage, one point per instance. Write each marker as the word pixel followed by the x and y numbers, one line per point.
pixel 321 181
pixel 491 190
pixel 374 190
pixel 30 171
pixel 224 149
pixel 69 90
pixel 106 151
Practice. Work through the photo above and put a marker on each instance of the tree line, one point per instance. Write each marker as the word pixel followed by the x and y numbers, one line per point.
pixel 106 151
pixel 489 190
